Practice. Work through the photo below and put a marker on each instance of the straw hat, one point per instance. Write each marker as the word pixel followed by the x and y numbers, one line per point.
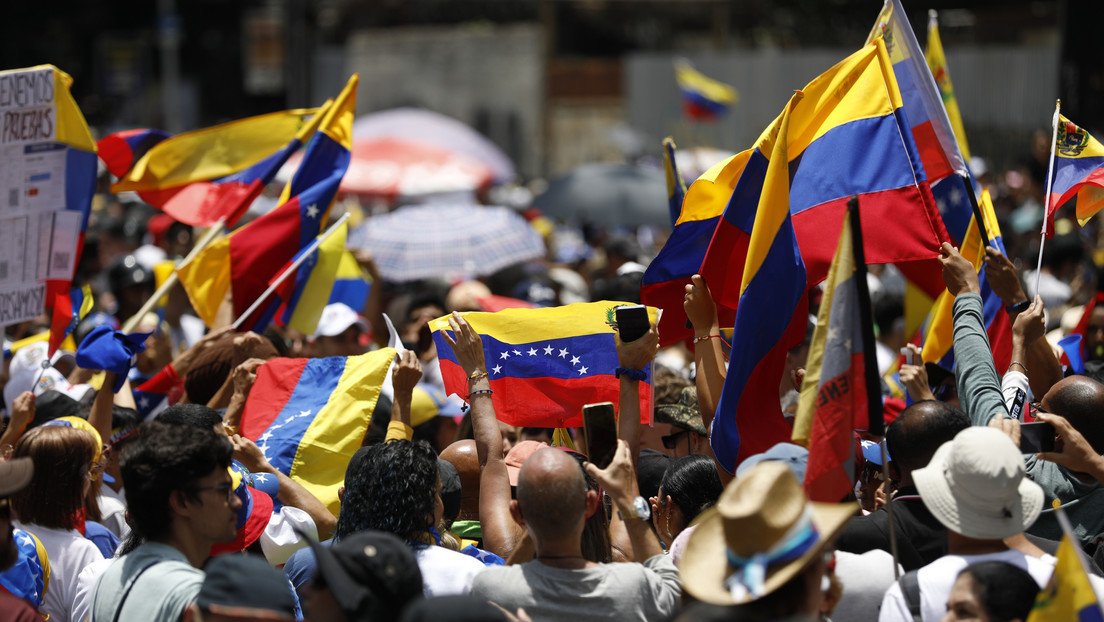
pixel 761 533
pixel 975 486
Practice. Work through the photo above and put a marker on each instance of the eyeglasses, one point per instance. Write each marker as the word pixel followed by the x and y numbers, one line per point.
pixel 226 489
pixel 945 391
pixel 1037 408
pixel 670 441
pixel 95 470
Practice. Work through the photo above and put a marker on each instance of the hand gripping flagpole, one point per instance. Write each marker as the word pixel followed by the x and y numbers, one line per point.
pixel 209 236
pixel 287 272
pixel 1046 197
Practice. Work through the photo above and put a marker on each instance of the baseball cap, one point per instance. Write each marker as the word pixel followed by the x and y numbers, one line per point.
pixel 241 585
pixel 336 319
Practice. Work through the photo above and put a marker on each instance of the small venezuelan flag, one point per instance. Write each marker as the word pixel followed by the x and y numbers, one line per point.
pixel 544 364
pixel 703 98
pixel 69 309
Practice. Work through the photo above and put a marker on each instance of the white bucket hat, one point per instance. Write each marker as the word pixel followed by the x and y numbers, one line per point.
pixel 975 486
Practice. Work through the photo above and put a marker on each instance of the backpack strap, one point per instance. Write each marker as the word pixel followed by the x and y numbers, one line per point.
pixel 130 586
pixel 910 589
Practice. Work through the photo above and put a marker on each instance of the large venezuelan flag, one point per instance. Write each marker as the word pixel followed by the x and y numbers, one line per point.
pixel 69 309
pixel 848 136
pixel 771 316
pixel 1078 171
pixel 841 391
pixel 204 176
pixel 309 416
pixel 246 261
pixel 544 364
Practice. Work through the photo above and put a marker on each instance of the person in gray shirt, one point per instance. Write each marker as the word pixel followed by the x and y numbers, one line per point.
pixel 553 504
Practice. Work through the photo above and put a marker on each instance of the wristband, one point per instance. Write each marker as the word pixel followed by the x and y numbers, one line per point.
pixel 633 374
pixel 1024 367
pixel 1019 307
pixel 476 375
pixel 705 337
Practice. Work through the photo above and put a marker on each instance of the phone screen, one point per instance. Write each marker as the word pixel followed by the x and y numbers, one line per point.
pixel 1035 437
pixel 600 432
pixel 632 322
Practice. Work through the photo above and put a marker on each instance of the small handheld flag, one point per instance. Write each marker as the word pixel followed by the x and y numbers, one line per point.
pixel 703 98
pixel 69 309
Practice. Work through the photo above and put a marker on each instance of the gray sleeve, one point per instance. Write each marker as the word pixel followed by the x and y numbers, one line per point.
pixel 979 387
pixel 665 584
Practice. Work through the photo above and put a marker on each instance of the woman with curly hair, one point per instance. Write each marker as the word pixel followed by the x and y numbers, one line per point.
pixel 395 488
pixel 52 507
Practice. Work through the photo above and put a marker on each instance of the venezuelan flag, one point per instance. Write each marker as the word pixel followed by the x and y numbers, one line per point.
pixel 937 63
pixel 350 287
pixel 771 316
pixel 246 261
pixel 544 364
pixel 309 416
pixel 703 98
pixel 1068 595
pixel 203 176
pixel 69 309
pixel 676 189
pixel 120 150
pixel 937 336
pixel 313 283
pixel 841 392
pixel 1078 171
pixel 847 137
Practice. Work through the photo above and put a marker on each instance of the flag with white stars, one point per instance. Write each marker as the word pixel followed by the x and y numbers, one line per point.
pixel 545 364
pixel 26 578
pixel 309 416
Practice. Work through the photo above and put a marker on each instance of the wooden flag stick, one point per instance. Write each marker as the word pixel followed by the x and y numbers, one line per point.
pixel 209 236
pixel 287 272
pixel 1046 197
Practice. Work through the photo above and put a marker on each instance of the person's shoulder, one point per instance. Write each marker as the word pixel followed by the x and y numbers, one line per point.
pixel 492 578
pixel 443 555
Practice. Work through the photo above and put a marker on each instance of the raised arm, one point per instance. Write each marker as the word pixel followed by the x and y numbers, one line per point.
pixel 242 378
pixel 407 373
pixel 619 481
pixel 635 356
pixel 501 533
pixel 708 356
pixel 23 412
pixel 373 305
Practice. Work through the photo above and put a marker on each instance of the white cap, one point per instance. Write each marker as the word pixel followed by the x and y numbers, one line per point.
pixel 336 319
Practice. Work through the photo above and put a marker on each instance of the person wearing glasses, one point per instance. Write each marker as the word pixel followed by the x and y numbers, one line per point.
pixel 52 507
pixel 686 435
pixel 181 501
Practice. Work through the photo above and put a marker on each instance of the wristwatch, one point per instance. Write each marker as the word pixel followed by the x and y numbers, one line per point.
pixel 1019 307
pixel 640 510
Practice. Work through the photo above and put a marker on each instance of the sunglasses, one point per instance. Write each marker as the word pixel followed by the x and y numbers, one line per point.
pixel 226 489
pixel 670 441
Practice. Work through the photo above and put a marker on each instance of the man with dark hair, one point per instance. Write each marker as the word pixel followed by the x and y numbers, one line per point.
pixel 194 415
pixel 180 498
pixel 911 441
pixel 553 504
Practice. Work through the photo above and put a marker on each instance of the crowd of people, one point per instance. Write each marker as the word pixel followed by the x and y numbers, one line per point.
pixel 121 505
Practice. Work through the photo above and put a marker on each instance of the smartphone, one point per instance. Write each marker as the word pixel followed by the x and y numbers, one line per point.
pixel 600 433
pixel 632 322
pixel 1036 437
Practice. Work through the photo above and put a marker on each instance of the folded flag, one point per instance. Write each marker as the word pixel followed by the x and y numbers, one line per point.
pixel 841 391
pixel 111 350
pixel 1078 171
pixel 703 98
pixel 772 314
pixel 309 416
pixel 69 309
pixel 544 364
pixel 246 261
pixel 1069 594
pixel 207 175
pixel 120 150
pixel 676 189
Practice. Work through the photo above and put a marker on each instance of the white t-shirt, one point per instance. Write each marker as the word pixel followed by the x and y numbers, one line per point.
pixel 865 579
pixel 69 552
pixel 445 572
pixel 86 584
pixel 113 514
pixel 937 578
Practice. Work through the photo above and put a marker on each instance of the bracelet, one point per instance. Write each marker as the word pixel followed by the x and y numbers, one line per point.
pixel 701 339
pixel 633 374
pixel 1018 363
pixel 476 375
pixel 478 391
pixel 1018 307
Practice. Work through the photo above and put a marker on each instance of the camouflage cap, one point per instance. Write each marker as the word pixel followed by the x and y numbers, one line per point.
pixel 685 414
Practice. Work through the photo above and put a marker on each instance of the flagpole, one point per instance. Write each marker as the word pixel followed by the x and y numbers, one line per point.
pixel 1046 197
pixel 208 237
pixel 307 252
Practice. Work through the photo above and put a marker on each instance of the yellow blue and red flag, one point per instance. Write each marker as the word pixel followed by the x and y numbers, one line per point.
pixel 544 364
pixel 703 98
pixel 69 309
pixel 937 63
pixel 350 286
pixel 772 314
pixel 309 416
pixel 313 282
pixel 214 173
pixel 1078 171
pixel 841 392
pixel 848 136
pixel 1068 595
pixel 245 262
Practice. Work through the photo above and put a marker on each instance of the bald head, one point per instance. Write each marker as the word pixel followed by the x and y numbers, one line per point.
pixel 1080 400
pixel 551 494
pixel 463 456
pixel 919 430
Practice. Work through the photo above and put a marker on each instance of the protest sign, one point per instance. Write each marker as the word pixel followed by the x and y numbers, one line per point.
pixel 47 178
